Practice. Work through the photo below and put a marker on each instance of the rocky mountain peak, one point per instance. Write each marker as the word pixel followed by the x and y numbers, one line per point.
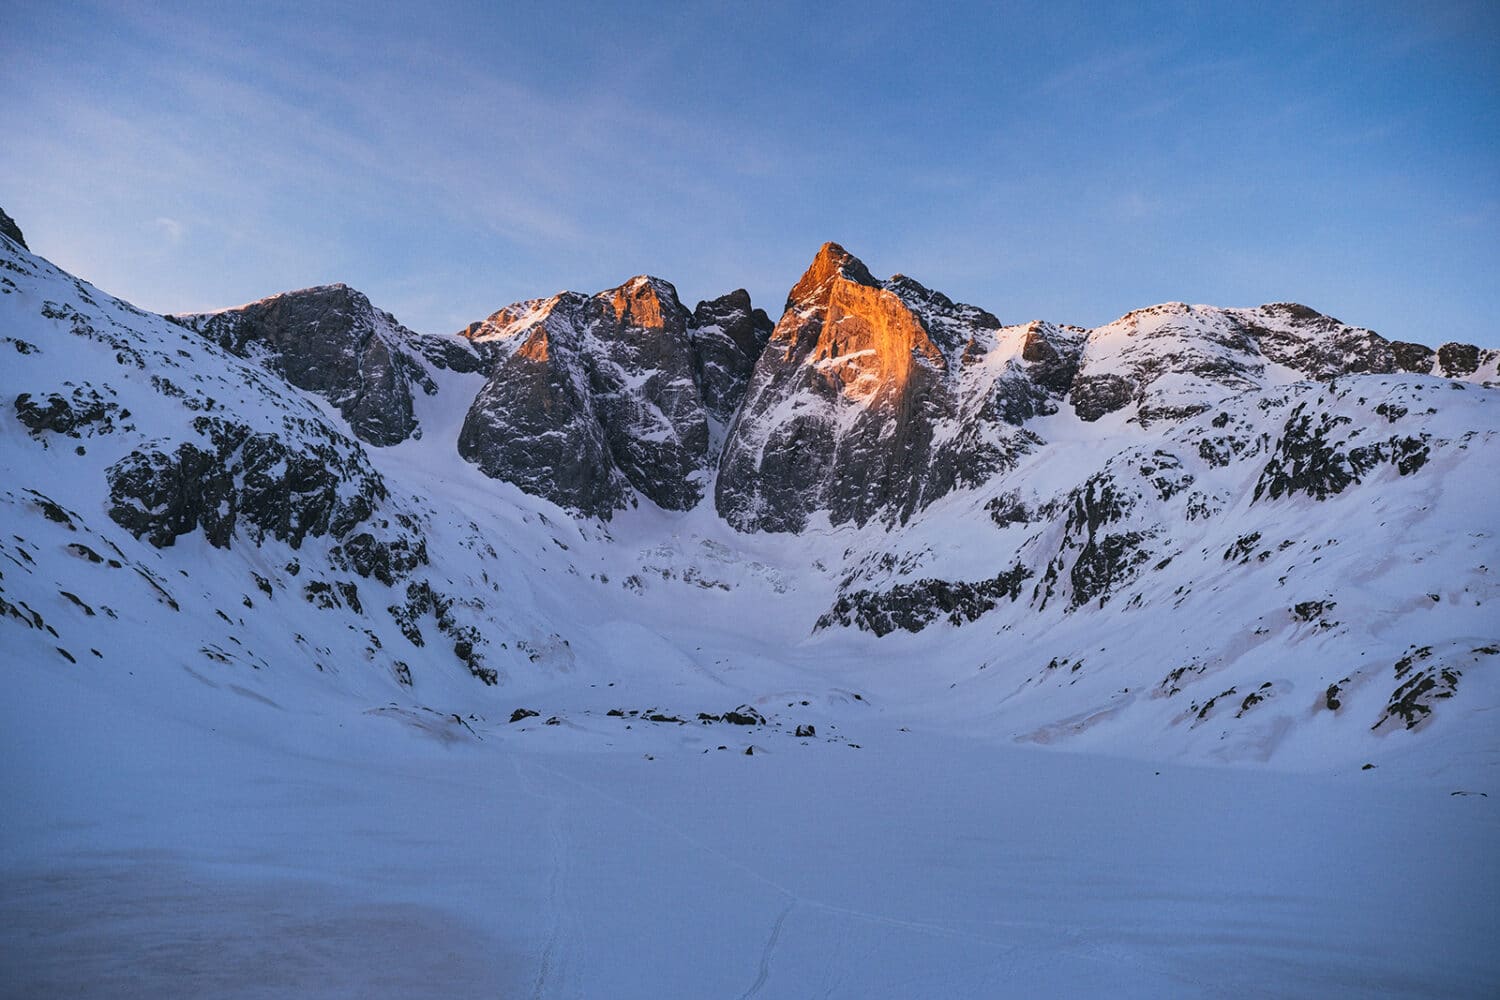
pixel 1295 311
pixel 518 318
pixel 645 303
pixel 330 340
pixel 1174 360
pixel 591 397
pixel 728 335
pixel 9 228
pixel 737 301
pixel 832 261
pixel 855 405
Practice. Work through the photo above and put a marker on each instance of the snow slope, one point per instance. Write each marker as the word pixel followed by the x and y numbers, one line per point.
pixel 218 845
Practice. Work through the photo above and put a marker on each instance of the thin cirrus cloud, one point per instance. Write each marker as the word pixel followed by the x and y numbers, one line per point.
pixel 1060 161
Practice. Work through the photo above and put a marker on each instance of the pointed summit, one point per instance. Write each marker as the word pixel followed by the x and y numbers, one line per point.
pixel 842 407
pixel 592 398
pixel 728 336
pixel 646 303
pixel 832 261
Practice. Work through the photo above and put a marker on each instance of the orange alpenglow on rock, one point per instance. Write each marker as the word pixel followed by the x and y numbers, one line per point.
pixel 871 341
pixel 637 303
pixel 844 407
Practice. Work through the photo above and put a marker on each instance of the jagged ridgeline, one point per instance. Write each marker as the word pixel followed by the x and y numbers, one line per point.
pixel 594 400
pixel 869 400
pixel 1141 523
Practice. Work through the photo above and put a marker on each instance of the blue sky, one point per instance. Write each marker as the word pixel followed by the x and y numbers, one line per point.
pixel 1061 161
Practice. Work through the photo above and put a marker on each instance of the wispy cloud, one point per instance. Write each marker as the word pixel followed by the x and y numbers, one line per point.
pixel 446 170
pixel 170 228
pixel 1104 69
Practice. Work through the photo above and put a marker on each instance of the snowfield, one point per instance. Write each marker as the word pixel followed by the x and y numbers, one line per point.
pixel 1197 705
pixel 222 845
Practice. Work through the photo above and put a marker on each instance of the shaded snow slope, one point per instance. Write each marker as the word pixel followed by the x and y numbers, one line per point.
pixel 215 844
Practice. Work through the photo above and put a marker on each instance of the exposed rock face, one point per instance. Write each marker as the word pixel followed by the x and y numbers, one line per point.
pixel 873 399
pixel 534 424
pixel 1316 455
pixel 1095 395
pixel 236 478
pixel 1318 346
pixel 591 397
pixel 86 413
pixel 1412 357
pixel 1458 360
pixel 728 336
pixel 914 606
pixel 330 340
pixel 9 228
pixel 1052 355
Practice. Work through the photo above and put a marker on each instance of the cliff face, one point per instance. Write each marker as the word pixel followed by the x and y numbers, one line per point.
pixel 591 398
pixel 331 341
pixel 728 336
pixel 9 228
pixel 875 398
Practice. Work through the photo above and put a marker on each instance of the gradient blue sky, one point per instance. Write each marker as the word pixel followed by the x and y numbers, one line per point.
pixel 1060 161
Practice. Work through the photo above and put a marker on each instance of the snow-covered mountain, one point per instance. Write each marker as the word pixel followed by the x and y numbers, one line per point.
pixel 1200 532
pixel 609 648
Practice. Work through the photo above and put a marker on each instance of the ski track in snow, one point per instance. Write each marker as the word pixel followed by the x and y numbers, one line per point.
pixel 549 965
pixel 764 972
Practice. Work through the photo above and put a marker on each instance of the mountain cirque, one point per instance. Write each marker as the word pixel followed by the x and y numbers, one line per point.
pixel 1239 533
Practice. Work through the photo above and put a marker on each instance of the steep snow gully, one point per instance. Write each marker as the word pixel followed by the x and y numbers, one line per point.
pixel 611 647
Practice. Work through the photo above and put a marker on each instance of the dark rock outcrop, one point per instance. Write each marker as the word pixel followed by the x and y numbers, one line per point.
pixel 1095 395
pixel 1412 357
pixel 1316 456
pixel 914 606
pixel 745 715
pixel 234 478
pixel 728 336
pixel 1458 360
pixel 1052 355
pixel 330 340
pixel 591 398
pixel 9 228
pixel 86 412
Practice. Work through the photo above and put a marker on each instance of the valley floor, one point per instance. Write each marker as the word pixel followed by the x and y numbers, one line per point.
pixel 229 847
